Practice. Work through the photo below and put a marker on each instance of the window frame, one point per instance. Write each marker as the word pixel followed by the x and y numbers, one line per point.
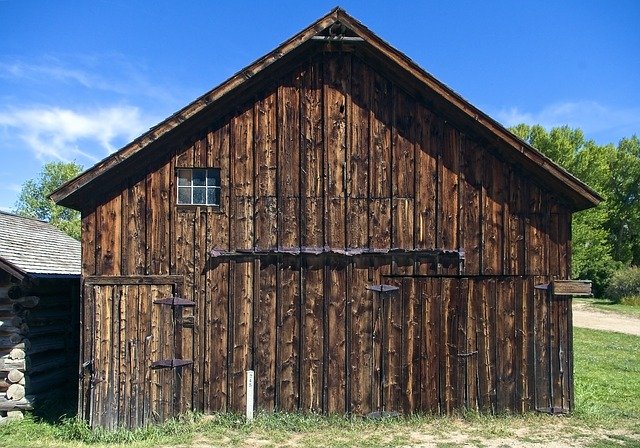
pixel 206 186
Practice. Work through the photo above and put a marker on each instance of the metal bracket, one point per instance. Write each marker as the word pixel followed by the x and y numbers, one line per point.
pixel 175 301
pixel 382 288
pixel 170 363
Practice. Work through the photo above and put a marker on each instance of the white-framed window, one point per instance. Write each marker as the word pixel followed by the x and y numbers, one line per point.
pixel 198 186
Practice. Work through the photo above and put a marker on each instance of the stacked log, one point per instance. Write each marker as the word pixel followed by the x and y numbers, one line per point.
pixel 35 327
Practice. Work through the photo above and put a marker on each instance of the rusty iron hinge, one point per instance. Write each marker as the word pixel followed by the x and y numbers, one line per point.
pixel 175 301
pixel 170 363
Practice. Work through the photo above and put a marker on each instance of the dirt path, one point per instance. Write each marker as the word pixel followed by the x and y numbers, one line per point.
pixel 585 316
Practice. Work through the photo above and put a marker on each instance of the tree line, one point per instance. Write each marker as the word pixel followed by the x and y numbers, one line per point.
pixel 605 238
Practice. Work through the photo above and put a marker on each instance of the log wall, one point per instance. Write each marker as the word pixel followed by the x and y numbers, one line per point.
pixel 336 156
pixel 38 342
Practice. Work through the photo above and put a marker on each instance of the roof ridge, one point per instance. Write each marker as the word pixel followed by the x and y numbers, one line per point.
pixel 577 192
pixel 33 218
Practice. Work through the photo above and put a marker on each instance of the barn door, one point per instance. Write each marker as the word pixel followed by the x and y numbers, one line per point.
pixel 132 350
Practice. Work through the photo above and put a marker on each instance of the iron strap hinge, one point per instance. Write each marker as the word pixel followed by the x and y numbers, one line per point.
pixel 382 288
pixel 175 301
pixel 170 363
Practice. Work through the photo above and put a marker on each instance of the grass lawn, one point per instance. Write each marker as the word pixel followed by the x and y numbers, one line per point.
pixel 607 377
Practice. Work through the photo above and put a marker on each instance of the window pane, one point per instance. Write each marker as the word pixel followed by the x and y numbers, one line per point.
pixel 184 195
pixel 199 178
pixel 213 177
pixel 184 177
pixel 199 195
pixel 213 196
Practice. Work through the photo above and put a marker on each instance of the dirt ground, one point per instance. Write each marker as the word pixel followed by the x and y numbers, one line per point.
pixel 585 316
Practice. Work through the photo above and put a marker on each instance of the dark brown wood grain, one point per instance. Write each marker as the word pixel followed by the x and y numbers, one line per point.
pixel 332 154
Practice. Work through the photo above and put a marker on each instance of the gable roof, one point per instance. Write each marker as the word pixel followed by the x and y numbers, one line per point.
pixel 437 95
pixel 29 247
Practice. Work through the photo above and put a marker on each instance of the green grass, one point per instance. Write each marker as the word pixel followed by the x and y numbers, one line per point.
pixel 607 380
pixel 607 375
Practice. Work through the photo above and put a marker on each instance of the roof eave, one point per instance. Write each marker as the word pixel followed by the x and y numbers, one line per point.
pixel 12 269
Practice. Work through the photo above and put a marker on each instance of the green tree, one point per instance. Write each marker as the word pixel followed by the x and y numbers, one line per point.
pixel 594 245
pixel 623 192
pixel 34 199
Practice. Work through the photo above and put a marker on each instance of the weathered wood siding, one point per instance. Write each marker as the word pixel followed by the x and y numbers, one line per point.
pixel 336 155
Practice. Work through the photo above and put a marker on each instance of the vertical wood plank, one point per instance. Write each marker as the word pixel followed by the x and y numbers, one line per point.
pixel 432 299
pixel 266 146
pixel 87 344
pixel 242 336
pixel 380 124
pixel 537 255
pixel 89 249
pixel 265 334
pixel 516 224
pixel 472 344
pixel 541 335
pixel 523 330
pixel 218 275
pixel 288 321
pixel 158 196
pixel 402 233
pixel 411 346
pixel 109 237
pixel 485 313
pixel 448 351
pixel 337 87
pixel 426 183
pixel 505 336
pixel 313 340
pixel 266 181
pixel 472 213
pixel 358 151
pixel 312 156
pixel 242 152
pixel 311 120
pixel 493 208
pixel 134 216
pixel 336 340
pixel 449 172
pixel 395 340
pixel 460 337
pixel 402 170
pixel 361 359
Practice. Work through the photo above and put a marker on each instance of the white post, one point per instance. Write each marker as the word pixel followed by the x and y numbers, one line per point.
pixel 249 395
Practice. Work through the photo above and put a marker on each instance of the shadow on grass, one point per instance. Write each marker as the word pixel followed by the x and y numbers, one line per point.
pixel 58 405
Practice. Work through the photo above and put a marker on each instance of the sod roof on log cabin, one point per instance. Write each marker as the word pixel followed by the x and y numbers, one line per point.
pixel 30 247
pixel 338 30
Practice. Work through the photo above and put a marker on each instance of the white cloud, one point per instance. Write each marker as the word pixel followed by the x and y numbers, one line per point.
pixel 592 117
pixel 64 134
pixel 15 188
pixel 107 73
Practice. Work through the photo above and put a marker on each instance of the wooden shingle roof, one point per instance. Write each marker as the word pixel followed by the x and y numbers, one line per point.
pixel 30 247
pixel 94 182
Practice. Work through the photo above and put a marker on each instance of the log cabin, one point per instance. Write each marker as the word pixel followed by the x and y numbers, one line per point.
pixel 39 297
pixel 341 223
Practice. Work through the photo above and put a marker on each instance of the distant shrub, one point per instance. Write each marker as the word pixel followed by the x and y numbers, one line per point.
pixel 625 285
pixel 631 301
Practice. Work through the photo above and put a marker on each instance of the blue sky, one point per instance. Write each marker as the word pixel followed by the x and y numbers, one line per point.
pixel 80 79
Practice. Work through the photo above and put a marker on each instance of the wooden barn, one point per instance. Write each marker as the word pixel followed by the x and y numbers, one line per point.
pixel 341 223
pixel 39 296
